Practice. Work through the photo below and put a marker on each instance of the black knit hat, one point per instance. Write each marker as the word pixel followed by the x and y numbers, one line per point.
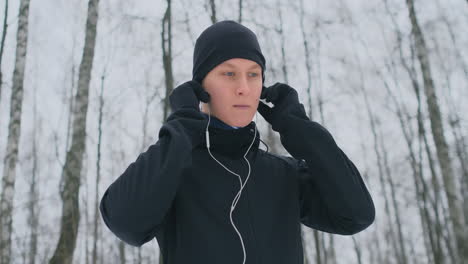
pixel 222 41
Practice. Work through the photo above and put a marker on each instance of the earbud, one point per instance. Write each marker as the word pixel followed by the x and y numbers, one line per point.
pixel 207 136
pixel 207 133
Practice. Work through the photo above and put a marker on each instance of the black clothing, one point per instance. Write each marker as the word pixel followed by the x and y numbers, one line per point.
pixel 178 193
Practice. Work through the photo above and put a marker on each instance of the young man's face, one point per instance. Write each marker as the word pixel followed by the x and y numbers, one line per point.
pixel 234 87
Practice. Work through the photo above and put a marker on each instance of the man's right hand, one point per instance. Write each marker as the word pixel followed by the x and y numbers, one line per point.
pixel 188 95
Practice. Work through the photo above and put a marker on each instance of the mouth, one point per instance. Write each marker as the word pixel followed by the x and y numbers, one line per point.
pixel 240 106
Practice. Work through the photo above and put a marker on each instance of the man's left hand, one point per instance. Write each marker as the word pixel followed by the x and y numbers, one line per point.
pixel 286 106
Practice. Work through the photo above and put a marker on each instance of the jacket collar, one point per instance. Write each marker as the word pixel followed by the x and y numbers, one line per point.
pixel 232 142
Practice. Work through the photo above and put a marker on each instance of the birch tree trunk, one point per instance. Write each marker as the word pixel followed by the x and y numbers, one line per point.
pixel 450 182
pixel 2 44
pixel 74 159
pixel 14 132
pixel 437 202
pixel 454 111
pixel 461 148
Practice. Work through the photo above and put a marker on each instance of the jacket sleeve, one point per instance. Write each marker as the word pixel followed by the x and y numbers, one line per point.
pixel 332 194
pixel 134 206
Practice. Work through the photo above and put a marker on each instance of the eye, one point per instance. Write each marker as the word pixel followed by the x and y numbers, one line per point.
pixel 253 74
pixel 230 74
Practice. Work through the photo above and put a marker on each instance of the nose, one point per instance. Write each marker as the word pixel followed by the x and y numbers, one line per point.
pixel 243 87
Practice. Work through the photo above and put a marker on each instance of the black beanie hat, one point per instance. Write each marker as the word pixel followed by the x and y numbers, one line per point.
pixel 222 41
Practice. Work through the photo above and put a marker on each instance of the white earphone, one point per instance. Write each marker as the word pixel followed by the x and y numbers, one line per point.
pixel 237 197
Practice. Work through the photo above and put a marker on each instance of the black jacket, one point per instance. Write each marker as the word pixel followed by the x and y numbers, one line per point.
pixel 178 193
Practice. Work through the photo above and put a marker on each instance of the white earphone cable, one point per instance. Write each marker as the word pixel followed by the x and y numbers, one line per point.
pixel 237 197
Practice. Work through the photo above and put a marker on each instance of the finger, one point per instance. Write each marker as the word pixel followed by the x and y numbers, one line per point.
pixel 280 91
pixel 273 93
pixel 200 92
pixel 264 110
pixel 264 92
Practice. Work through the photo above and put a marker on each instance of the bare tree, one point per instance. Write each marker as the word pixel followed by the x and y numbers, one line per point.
pixel 14 132
pixel 455 121
pixel 307 57
pixel 357 248
pixel 122 253
pixel 427 200
pixel 373 120
pixel 452 34
pixel 166 43
pixel 33 217
pixel 213 11
pixel 74 158
pixel 461 149
pixel 240 11
pixel 455 207
pixel 433 246
pixel 166 38
pixel 98 173
pixel 2 44
pixel 324 254
pixel 187 24
pixel 281 33
pixel 87 223
pixel 393 194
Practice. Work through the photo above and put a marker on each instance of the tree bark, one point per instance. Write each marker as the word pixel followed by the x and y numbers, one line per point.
pixel 240 11
pixel 461 148
pixel 2 44
pixel 74 159
pixel 33 219
pixel 307 58
pixel 456 48
pixel 166 42
pixel 14 132
pixel 399 226
pixel 213 11
pixel 167 62
pixel 122 253
pixel 318 247
pixel 98 174
pixel 280 31
pixel 357 249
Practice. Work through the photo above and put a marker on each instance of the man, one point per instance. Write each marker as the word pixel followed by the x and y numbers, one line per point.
pixel 205 189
